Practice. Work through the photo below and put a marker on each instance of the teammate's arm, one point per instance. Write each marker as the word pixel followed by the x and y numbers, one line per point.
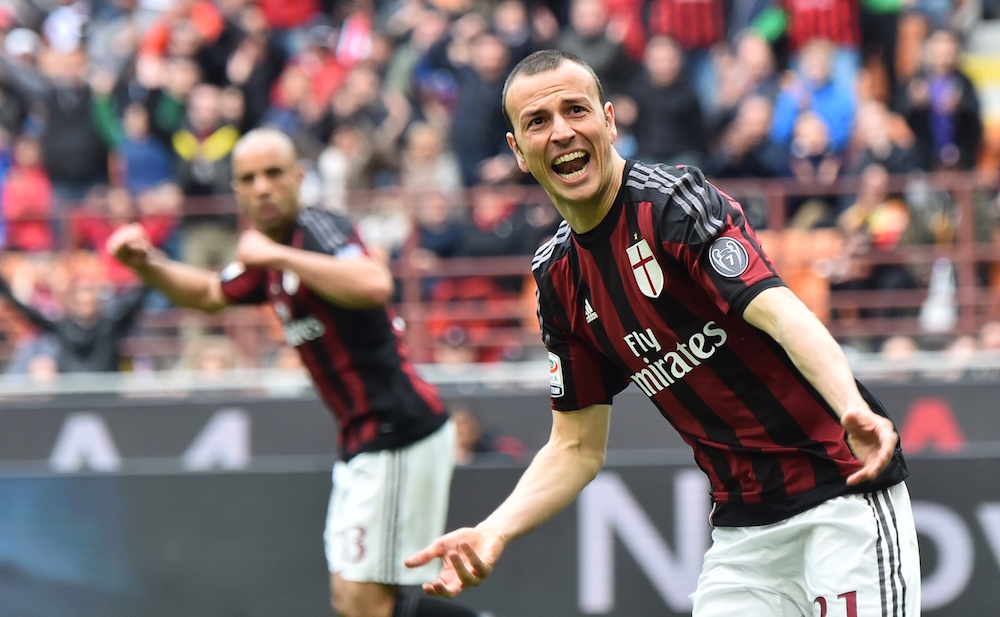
pixel 183 284
pixel 562 468
pixel 353 282
pixel 818 356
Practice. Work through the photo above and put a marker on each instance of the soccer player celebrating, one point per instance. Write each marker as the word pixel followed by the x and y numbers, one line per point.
pixel 396 441
pixel 655 278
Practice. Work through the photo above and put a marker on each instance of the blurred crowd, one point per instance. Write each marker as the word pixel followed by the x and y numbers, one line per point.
pixel 127 110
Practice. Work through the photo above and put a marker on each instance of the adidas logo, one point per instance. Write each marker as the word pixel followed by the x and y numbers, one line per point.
pixel 588 311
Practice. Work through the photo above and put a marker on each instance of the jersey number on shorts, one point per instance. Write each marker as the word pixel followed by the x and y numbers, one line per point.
pixel 851 598
pixel 352 544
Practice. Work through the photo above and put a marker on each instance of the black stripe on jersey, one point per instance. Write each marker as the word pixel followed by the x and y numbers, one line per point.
pixel 614 287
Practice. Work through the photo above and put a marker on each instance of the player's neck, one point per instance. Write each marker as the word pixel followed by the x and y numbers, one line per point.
pixel 586 215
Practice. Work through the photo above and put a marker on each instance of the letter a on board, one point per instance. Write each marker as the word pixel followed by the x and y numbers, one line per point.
pixel 930 423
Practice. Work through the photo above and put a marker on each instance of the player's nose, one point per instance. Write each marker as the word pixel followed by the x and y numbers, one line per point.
pixel 561 129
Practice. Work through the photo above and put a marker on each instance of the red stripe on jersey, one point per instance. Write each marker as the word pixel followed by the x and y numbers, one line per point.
pixel 340 357
pixel 367 432
pixel 424 390
pixel 325 389
pixel 587 391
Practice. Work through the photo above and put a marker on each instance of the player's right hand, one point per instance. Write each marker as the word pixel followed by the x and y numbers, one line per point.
pixel 468 555
pixel 873 440
pixel 130 245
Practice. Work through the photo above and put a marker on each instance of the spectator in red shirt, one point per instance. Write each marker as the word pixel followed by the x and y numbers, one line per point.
pixel 289 21
pixel 27 200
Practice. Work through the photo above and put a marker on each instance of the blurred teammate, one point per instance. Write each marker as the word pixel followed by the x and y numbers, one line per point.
pixel 395 437
pixel 656 279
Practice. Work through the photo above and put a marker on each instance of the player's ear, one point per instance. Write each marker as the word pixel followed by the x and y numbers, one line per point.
pixel 609 119
pixel 516 149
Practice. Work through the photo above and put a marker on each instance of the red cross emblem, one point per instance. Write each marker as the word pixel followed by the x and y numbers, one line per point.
pixel 648 275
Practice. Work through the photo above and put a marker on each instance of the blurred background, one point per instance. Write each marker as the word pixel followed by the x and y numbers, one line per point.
pixel 158 461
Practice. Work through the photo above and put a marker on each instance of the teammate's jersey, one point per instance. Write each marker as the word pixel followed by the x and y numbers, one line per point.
pixel 694 24
pixel 356 357
pixel 834 20
pixel 654 296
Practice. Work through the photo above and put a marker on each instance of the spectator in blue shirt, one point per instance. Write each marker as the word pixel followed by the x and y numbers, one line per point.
pixel 814 89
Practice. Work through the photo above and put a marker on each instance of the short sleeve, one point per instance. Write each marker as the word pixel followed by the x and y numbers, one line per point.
pixel 707 231
pixel 242 285
pixel 579 375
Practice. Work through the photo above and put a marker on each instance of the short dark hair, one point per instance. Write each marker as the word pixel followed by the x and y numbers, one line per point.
pixel 540 62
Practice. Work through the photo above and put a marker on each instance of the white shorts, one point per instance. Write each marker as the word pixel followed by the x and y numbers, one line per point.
pixel 852 556
pixel 387 505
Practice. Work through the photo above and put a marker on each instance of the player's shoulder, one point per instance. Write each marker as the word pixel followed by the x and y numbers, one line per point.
pixel 552 250
pixel 662 184
pixel 685 204
pixel 328 230
pixel 310 217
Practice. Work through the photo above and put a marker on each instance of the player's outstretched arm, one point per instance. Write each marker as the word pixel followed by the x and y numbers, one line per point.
pixel 820 358
pixel 561 469
pixel 183 284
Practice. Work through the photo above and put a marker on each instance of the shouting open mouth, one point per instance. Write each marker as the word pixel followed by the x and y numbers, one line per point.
pixel 571 165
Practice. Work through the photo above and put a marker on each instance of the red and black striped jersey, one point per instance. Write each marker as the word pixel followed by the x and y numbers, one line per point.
pixel 834 20
pixel 694 24
pixel 356 358
pixel 654 296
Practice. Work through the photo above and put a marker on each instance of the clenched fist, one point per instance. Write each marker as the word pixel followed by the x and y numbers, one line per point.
pixel 130 245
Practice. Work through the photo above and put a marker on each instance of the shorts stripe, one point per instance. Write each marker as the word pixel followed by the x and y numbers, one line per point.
pixel 887 547
pixel 899 552
pixel 397 514
pixel 391 517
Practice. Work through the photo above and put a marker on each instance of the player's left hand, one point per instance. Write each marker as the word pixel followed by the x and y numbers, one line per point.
pixel 873 440
pixel 468 555
pixel 256 250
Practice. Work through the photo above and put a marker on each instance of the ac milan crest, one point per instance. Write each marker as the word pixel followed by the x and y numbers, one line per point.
pixel 648 274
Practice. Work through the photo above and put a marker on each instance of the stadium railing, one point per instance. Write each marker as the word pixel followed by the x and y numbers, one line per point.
pixel 964 204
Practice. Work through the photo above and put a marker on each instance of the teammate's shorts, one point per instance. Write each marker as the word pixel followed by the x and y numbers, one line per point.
pixel 852 556
pixel 388 505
